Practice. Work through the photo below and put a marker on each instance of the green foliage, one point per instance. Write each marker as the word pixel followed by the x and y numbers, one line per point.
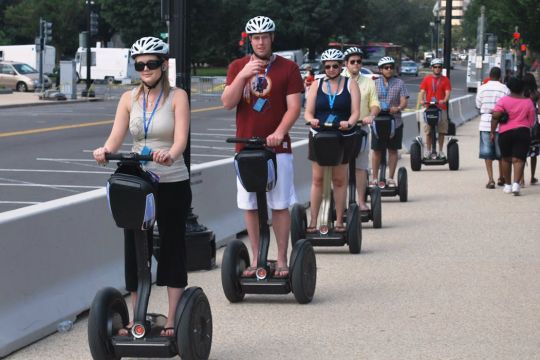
pixel 502 16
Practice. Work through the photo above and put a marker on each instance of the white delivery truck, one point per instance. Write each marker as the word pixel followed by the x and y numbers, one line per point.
pixel 478 70
pixel 110 64
pixel 28 54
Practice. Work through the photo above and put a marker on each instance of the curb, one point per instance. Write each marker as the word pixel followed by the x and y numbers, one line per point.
pixel 50 102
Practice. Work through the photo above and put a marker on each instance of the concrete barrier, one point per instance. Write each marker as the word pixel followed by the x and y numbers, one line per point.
pixel 55 256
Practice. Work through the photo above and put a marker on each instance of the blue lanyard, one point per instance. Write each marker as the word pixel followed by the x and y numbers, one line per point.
pixel 332 98
pixel 385 90
pixel 147 124
pixel 435 86
pixel 260 80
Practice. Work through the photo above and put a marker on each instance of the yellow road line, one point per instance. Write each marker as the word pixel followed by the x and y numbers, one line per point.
pixel 75 126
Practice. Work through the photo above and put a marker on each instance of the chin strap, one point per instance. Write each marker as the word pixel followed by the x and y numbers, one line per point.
pixel 150 87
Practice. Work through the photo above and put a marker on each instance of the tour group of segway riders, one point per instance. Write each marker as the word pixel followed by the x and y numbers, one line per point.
pixel 348 115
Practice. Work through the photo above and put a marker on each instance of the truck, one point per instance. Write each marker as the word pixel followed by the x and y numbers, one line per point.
pixel 478 70
pixel 28 54
pixel 109 64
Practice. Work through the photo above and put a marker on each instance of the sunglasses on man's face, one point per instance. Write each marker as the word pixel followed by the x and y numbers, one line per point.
pixel 388 67
pixel 352 62
pixel 333 66
pixel 151 64
pixel 437 67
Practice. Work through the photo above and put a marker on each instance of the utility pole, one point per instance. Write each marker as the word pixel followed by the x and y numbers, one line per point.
pixel 448 37
pixel 89 4
pixel 180 50
pixel 480 48
pixel 437 24
pixel 41 51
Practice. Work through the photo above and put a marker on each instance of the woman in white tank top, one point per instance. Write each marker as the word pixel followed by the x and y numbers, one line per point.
pixel 157 116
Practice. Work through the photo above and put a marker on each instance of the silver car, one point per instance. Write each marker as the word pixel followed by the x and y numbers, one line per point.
pixel 20 76
pixel 409 68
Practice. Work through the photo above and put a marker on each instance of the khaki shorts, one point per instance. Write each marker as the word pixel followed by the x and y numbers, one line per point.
pixel 443 124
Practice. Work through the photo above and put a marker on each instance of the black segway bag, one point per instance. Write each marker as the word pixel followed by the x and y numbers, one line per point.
pixel 384 126
pixel 328 147
pixel 256 169
pixel 131 193
pixel 431 115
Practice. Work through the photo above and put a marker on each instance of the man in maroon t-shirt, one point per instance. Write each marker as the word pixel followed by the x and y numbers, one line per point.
pixel 266 91
pixel 439 87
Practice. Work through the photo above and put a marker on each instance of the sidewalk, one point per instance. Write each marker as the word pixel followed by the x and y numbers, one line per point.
pixel 17 99
pixel 452 274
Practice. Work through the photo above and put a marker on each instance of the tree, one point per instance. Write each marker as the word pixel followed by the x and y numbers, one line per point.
pixel 22 22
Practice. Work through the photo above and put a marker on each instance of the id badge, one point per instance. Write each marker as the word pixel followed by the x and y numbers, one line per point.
pixel 331 118
pixel 145 151
pixel 259 104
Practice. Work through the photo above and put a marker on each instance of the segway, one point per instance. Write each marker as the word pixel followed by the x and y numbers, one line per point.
pixel 383 128
pixel 131 192
pixel 432 116
pixel 256 168
pixel 329 151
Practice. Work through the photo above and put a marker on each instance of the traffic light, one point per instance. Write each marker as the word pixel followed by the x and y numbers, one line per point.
pixel 46 31
pixel 523 47
pixel 94 23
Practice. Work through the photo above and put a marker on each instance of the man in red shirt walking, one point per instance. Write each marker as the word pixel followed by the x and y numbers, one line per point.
pixel 436 87
pixel 266 91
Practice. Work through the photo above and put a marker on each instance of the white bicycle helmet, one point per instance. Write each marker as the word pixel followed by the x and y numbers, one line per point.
pixel 332 55
pixel 386 60
pixel 260 24
pixel 353 51
pixel 436 61
pixel 149 45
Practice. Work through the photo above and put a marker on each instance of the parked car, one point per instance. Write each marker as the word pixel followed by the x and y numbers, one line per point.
pixel 20 76
pixel 409 68
pixel 368 73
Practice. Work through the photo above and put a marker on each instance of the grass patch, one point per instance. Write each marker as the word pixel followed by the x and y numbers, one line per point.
pixel 210 71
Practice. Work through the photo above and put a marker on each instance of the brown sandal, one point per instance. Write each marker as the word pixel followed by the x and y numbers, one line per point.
pixel 340 229
pixel 249 271
pixel 490 185
pixel 312 230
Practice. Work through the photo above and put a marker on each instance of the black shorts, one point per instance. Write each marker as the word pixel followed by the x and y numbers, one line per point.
pixel 392 144
pixel 515 143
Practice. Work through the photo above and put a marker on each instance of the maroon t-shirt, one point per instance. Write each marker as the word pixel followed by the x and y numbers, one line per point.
pixel 283 78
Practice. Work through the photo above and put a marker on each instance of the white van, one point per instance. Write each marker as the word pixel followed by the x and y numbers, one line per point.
pixel 110 64
pixel 295 55
pixel 27 54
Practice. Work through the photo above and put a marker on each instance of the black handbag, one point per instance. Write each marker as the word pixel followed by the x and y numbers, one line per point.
pixel 535 132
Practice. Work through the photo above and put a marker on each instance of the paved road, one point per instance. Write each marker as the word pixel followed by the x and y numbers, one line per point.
pixel 50 146
pixel 453 274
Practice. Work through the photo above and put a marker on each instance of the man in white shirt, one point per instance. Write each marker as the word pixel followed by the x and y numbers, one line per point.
pixel 486 98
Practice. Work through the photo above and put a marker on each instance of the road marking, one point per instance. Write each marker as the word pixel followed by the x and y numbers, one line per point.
pixel 210 155
pixel 51 159
pixel 53 186
pixel 20 202
pixel 57 171
pixel 82 125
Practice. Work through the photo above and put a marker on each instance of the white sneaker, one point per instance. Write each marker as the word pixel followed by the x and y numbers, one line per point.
pixel 441 155
pixel 516 188
pixel 427 154
pixel 507 188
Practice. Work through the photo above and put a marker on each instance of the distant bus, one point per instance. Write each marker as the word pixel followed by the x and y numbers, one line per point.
pixel 373 52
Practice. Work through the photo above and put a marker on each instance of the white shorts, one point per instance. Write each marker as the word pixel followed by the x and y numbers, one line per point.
pixel 362 160
pixel 283 194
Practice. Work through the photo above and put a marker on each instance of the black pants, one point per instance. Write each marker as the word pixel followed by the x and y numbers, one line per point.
pixel 173 203
pixel 515 143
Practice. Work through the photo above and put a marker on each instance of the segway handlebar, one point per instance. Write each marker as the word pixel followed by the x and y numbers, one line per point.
pixel 249 141
pixel 128 157
pixel 332 125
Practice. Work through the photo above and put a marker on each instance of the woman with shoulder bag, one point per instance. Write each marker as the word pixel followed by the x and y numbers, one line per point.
pixel 515 134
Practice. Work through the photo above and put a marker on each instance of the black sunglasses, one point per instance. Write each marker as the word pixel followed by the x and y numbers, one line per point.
pixel 333 66
pixel 388 67
pixel 437 67
pixel 352 62
pixel 151 64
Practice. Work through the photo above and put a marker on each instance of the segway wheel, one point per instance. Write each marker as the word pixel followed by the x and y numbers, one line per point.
pixel 108 314
pixel 193 326
pixel 453 156
pixel 354 229
pixel 416 156
pixel 303 271
pixel 403 184
pixel 376 208
pixel 298 223
pixel 235 261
